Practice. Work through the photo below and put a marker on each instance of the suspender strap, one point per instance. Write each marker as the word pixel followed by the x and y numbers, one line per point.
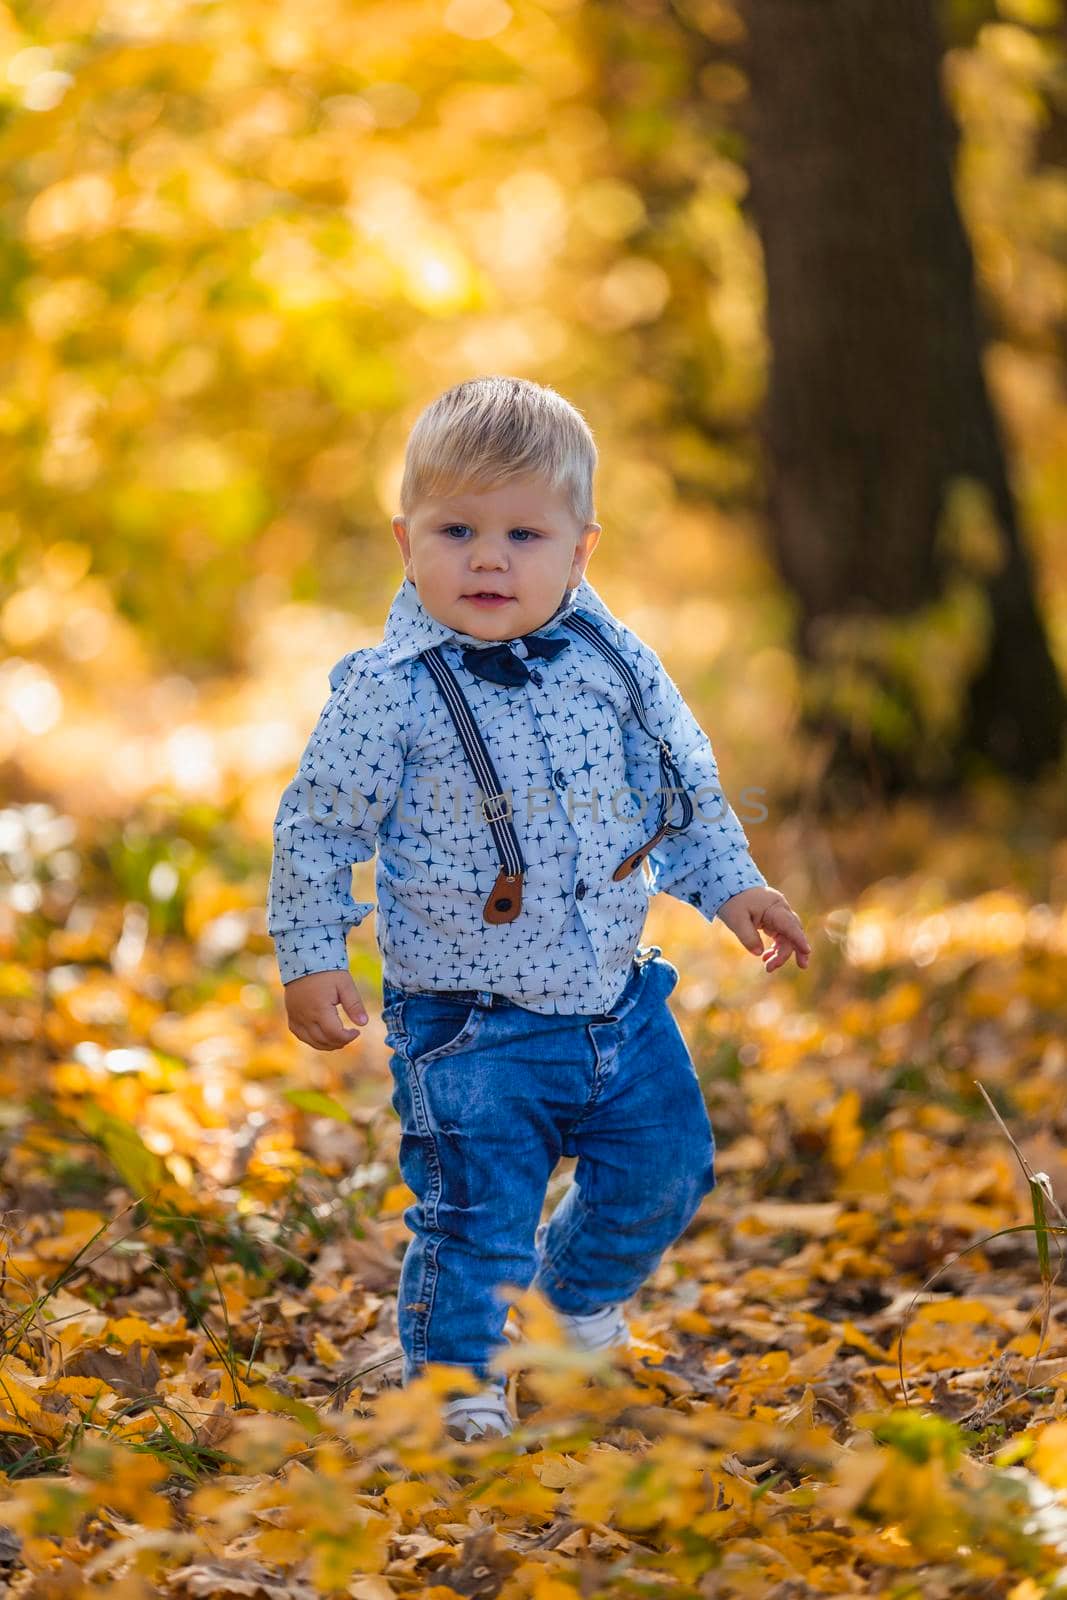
pixel 672 784
pixel 505 898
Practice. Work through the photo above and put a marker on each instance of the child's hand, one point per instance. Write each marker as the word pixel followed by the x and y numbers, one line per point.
pixel 746 913
pixel 310 1003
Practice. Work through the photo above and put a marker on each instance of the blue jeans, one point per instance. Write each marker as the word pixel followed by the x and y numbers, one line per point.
pixel 489 1098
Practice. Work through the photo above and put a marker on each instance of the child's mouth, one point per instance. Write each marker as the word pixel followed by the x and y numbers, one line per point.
pixel 487 598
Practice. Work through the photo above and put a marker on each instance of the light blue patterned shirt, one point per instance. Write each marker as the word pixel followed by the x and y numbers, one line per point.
pixel 384 769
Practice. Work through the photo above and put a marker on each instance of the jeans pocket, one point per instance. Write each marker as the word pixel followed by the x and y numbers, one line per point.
pixel 438 1027
pixel 393 1017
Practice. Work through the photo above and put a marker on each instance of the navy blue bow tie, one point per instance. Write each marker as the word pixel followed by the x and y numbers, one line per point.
pixel 500 664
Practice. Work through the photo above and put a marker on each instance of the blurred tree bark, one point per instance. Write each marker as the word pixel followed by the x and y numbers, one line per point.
pixel 888 487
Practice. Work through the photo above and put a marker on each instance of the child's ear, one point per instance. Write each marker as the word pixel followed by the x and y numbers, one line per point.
pixel 587 543
pixel 400 534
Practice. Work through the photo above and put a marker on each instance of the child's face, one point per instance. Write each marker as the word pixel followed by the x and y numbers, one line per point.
pixel 520 540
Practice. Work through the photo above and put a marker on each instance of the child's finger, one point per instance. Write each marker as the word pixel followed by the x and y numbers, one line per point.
pixel 323 1031
pixel 773 957
pixel 336 1034
pixel 784 946
pixel 785 924
pixel 351 999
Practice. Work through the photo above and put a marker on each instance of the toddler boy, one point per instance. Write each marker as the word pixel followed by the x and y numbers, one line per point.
pixel 529 775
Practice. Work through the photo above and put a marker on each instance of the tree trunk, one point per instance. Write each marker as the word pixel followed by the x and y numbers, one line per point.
pixel 888 490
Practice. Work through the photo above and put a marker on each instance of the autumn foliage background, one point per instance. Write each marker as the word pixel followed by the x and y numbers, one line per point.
pixel 242 245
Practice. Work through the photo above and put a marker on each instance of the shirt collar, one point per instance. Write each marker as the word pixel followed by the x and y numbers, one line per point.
pixel 410 629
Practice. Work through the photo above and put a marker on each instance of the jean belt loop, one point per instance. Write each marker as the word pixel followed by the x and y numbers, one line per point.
pixel 485 997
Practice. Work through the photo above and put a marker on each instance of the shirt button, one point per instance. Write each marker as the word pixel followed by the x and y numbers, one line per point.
pixel 537 678
pixel 559 777
pixel 579 889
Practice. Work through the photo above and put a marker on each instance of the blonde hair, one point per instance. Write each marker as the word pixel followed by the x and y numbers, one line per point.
pixel 488 430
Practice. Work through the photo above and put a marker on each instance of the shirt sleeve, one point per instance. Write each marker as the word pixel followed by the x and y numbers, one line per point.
pixel 329 815
pixel 709 862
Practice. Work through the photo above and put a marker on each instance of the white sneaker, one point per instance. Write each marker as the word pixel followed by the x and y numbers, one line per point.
pixel 596 1330
pixel 478 1416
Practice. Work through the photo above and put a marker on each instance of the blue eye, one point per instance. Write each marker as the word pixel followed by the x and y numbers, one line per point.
pixel 524 534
